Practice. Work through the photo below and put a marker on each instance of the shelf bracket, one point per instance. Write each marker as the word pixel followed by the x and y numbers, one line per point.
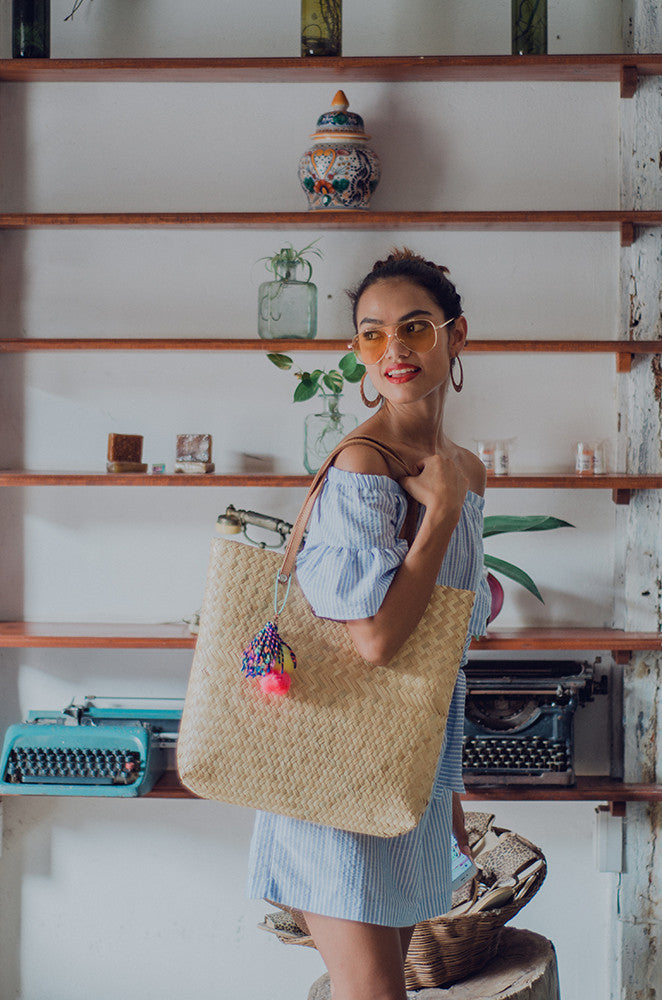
pixel 627 234
pixel 629 81
pixel 617 808
pixel 621 656
pixel 621 497
pixel 624 362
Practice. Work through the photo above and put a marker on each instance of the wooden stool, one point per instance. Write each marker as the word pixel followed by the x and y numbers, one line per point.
pixel 524 968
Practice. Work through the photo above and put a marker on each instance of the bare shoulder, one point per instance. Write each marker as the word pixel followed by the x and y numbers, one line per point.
pixel 474 470
pixel 363 459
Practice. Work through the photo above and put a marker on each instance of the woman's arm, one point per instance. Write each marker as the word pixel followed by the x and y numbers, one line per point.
pixel 441 487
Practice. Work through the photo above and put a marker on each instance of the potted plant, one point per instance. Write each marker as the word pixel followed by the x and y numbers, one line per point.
pixel 324 430
pixel 287 305
pixel 500 524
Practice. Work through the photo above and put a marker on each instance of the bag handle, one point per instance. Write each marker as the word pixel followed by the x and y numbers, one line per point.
pixel 299 527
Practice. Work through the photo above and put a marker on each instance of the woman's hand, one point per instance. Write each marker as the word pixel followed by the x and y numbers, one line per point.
pixel 440 486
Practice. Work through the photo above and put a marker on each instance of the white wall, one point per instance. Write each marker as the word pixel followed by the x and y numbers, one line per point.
pixel 145 899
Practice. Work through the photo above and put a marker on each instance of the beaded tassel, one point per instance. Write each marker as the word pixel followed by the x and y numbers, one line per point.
pixel 269 658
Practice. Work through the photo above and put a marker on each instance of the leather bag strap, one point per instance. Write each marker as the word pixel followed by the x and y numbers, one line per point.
pixel 299 527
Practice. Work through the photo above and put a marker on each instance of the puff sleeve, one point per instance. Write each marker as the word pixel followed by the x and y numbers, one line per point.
pixel 352 550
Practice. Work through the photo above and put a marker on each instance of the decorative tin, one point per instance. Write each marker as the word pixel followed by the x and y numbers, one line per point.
pixel 340 170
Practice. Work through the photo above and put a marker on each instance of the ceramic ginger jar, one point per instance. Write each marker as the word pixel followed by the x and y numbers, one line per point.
pixel 340 170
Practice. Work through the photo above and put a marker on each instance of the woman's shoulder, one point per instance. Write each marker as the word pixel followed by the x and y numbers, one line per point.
pixel 363 459
pixel 473 469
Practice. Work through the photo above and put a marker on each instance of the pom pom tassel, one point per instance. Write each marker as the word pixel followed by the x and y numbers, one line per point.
pixel 270 659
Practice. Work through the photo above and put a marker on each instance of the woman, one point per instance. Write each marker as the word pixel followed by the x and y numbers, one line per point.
pixel 362 895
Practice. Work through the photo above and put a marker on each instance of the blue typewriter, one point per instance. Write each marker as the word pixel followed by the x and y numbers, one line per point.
pixel 88 749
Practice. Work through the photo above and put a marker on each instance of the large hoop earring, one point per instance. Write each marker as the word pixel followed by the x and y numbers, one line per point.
pixel 457 385
pixel 371 403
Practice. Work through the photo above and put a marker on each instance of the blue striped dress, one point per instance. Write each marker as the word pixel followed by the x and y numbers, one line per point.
pixel 351 555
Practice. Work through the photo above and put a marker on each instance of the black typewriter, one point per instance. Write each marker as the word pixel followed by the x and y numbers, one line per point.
pixel 519 720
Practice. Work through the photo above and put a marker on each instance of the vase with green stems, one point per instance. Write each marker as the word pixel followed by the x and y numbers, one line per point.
pixel 529 27
pixel 501 524
pixel 327 427
pixel 287 305
pixel 323 431
pixel 31 29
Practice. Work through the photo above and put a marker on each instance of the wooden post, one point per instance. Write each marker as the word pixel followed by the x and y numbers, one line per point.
pixel 637 955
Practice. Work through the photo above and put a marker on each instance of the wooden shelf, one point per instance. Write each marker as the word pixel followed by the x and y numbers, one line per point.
pixel 624 349
pixel 620 484
pixel 622 68
pixel 589 788
pixel 557 221
pixel 94 635
pixel 113 635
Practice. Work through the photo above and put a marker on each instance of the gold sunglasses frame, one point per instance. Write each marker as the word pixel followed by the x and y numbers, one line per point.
pixel 352 346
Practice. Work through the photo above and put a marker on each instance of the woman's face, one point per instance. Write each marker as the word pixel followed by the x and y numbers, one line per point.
pixel 403 375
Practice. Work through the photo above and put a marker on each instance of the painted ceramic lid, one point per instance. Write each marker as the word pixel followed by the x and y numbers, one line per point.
pixel 339 123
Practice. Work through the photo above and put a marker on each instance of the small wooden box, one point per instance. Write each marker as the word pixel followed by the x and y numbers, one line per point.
pixel 125 447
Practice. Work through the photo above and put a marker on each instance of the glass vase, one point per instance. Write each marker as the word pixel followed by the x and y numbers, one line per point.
pixel 31 29
pixel 321 27
pixel 529 27
pixel 287 308
pixel 324 430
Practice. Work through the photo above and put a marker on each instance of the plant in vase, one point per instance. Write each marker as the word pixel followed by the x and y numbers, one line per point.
pixel 326 429
pixel 500 524
pixel 287 305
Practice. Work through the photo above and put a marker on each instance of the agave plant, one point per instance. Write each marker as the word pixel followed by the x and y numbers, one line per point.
pixel 500 524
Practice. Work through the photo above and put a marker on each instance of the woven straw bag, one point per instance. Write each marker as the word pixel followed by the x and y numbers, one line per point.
pixel 351 745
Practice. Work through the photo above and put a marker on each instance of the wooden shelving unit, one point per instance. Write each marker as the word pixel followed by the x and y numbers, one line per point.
pixel 624 69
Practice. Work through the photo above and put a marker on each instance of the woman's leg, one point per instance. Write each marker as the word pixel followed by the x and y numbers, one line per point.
pixel 365 961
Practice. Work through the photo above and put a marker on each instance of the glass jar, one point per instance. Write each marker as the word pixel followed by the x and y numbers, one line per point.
pixel 324 431
pixel 321 27
pixel 529 27
pixel 31 29
pixel 287 307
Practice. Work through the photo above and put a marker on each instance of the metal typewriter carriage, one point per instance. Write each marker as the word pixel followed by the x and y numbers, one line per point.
pixel 89 749
pixel 519 720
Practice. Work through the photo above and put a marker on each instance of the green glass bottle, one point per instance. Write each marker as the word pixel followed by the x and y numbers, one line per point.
pixel 31 29
pixel 321 27
pixel 529 27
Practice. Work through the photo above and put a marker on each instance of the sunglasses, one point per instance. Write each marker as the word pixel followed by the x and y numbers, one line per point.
pixel 418 335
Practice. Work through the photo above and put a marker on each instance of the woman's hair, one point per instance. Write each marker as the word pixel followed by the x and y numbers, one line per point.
pixel 403 263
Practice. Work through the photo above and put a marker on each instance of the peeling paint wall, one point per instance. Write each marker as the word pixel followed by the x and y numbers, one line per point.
pixel 637 963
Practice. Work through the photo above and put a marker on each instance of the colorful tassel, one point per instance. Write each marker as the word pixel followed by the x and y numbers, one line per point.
pixel 269 654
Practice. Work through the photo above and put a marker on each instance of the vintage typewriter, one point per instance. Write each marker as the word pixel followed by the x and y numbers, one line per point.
pixel 91 749
pixel 519 720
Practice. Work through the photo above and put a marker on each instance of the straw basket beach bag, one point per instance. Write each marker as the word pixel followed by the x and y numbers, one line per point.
pixel 350 744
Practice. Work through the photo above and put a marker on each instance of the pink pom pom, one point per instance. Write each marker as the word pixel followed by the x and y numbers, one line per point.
pixel 275 683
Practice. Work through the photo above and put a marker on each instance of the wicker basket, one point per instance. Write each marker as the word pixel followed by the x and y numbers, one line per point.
pixel 446 949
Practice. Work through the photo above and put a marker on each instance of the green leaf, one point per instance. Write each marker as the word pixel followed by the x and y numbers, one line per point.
pixel 502 523
pixel 281 361
pixel 351 368
pixel 513 573
pixel 306 389
pixel 333 380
